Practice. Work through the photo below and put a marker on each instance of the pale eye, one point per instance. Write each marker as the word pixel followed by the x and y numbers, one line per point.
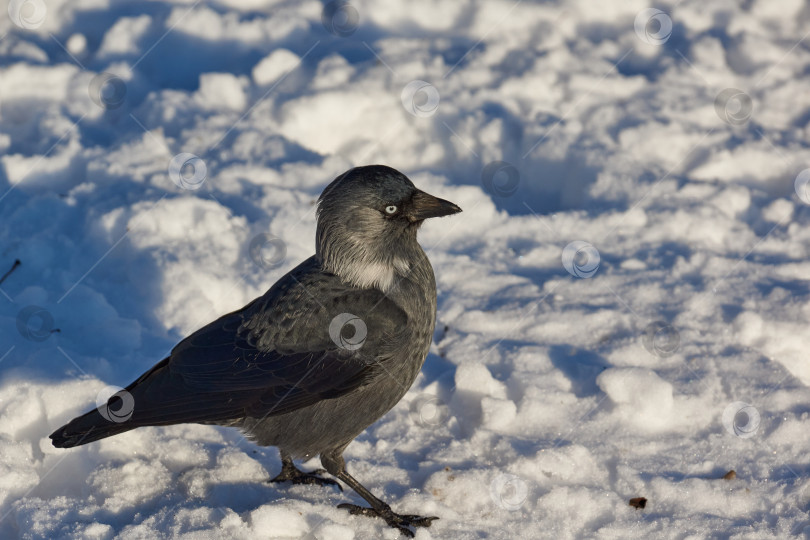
pixel 390 209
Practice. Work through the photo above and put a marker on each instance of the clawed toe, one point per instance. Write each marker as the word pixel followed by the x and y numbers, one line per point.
pixel 418 521
pixel 301 477
pixel 397 521
pixel 359 510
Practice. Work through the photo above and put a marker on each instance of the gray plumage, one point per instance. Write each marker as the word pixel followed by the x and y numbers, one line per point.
pixel 325 352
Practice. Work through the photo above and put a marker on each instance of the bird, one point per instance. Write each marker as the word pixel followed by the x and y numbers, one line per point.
pixel 329 348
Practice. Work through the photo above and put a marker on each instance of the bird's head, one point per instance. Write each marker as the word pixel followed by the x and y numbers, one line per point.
pixel 367 222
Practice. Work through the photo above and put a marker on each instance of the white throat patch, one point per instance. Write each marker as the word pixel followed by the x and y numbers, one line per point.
pixel 375 274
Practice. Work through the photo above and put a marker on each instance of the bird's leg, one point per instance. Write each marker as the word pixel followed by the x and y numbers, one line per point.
pixel 289 472
pixel 334 463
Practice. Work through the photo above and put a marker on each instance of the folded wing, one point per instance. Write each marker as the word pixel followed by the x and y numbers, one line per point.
pixel 305 340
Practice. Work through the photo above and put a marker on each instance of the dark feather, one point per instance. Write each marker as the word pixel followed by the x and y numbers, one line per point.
pixel 260 360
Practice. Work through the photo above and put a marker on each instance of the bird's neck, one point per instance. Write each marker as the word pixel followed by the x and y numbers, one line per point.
pixel 375 274
pixel 371 264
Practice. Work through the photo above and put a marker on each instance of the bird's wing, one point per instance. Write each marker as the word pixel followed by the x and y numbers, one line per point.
pixel 286 350
pixel 281 352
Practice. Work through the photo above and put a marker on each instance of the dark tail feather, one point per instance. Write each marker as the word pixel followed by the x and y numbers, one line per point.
pixel 156 398
pixel 87 428
pixel 94 426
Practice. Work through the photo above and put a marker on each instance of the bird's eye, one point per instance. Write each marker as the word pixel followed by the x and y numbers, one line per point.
pixel 390 209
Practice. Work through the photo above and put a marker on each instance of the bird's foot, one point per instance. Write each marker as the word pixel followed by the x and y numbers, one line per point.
pixel 397 521
pixel 297 476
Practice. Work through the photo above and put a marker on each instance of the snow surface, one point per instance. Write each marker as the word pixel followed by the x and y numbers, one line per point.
pixel 623 303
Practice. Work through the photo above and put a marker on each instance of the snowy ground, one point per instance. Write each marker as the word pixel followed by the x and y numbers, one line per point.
pixel 623 304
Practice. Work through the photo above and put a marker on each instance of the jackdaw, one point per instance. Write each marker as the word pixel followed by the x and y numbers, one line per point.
pixel 326 351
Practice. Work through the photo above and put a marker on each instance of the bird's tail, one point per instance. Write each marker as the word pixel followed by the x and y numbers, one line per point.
pixel 114 417
pixel 87 428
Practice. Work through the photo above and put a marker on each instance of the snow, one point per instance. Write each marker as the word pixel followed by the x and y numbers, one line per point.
pixel 273 66
pixel 623 302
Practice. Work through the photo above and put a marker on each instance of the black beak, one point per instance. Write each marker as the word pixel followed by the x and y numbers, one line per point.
pixel 425 206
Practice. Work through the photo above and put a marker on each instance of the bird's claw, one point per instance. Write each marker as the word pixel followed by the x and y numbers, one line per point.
pixel 300 477
pixel 397 521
